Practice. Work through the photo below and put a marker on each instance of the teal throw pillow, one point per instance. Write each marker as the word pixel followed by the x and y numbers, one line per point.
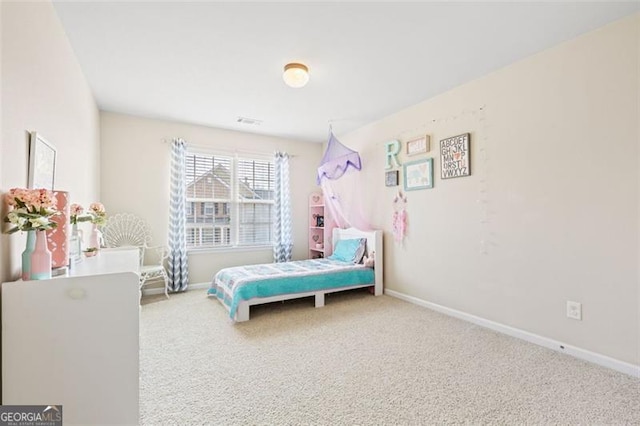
pixel 351 250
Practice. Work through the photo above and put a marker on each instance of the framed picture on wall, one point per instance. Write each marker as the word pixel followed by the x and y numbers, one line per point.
pixel 454 157
pixel 418 174
pixel 418 145
pixel 42 162
pixel 391 178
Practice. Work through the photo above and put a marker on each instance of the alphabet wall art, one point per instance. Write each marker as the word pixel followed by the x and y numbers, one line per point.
pixel 454 157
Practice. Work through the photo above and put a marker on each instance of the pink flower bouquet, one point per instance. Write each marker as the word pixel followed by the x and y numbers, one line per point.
pixel 30 209
pixel 76 214
pixel 98 214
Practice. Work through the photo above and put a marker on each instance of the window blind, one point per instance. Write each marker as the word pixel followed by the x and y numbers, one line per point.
pixel 255 196
pixel 229 201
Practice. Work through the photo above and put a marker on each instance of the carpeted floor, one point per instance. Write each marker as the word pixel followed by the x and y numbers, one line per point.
pixel 360 360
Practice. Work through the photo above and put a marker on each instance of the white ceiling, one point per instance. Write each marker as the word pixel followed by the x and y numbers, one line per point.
pixel 209 62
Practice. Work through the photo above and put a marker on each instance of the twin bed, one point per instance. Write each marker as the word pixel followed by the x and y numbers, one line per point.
pixel 240 287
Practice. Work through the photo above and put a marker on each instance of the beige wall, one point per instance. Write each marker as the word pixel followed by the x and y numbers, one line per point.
pixel 135 179
pixel 551 210
pixel 44 90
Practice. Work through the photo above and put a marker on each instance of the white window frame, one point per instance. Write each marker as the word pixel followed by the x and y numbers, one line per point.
pixel 234 203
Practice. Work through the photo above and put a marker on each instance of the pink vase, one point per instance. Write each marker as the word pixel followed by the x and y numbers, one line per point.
pixel 41 258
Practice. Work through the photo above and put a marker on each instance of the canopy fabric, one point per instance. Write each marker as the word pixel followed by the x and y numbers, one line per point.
pixel 336 160
pixel 343 199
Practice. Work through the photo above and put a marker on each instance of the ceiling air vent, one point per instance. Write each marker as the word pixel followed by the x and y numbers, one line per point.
pixel 251 121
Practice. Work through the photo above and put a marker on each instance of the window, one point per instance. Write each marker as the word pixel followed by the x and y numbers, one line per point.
pixel 229 201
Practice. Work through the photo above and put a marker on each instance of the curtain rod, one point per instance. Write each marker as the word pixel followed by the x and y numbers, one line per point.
pixel 236 151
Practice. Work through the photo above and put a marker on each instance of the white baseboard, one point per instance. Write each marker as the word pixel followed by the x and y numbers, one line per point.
pixel 160 290
pixel 198 286
pixel 596 358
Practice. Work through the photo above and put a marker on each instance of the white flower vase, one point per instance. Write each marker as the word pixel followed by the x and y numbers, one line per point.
pixel 94 238
pixel 75 244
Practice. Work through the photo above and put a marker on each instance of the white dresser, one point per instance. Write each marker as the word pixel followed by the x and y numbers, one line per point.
pixel 73 341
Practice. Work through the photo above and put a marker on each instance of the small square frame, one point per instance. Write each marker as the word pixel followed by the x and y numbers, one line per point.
pixel 391 178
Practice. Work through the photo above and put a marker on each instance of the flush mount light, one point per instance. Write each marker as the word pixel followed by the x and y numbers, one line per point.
pixel 295 75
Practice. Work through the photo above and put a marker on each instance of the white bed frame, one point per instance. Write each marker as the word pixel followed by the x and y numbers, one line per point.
pixel 374 243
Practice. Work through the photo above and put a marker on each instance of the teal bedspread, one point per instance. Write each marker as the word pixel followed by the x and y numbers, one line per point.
pixel 233 285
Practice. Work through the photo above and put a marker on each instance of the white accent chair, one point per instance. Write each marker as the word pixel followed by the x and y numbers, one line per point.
pixel 127 230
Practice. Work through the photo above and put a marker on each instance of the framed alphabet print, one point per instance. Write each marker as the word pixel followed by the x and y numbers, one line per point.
pixel 454 157
pixel 418 174
pixel 42 162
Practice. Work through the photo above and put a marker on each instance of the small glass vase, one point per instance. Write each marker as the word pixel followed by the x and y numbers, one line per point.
pixel 41 258
pixel 75 244
pixel 26 255
pixel 94 238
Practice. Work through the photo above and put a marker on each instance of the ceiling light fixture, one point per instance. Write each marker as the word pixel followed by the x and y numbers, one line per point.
pixel 295 75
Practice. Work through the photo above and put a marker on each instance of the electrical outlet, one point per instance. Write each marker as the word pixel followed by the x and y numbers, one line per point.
pixel 574 310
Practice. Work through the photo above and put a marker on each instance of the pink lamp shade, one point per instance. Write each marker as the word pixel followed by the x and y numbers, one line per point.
pixel 58 238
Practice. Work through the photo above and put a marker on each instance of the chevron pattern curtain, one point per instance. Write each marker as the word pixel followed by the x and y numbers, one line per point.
pixel 178 266
pixel 282 242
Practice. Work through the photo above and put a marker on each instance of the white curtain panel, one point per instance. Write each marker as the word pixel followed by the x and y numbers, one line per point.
pixel 178 265
pixel 282 242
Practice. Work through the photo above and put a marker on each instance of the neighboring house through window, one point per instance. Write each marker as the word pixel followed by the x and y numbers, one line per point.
pixel 229 200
